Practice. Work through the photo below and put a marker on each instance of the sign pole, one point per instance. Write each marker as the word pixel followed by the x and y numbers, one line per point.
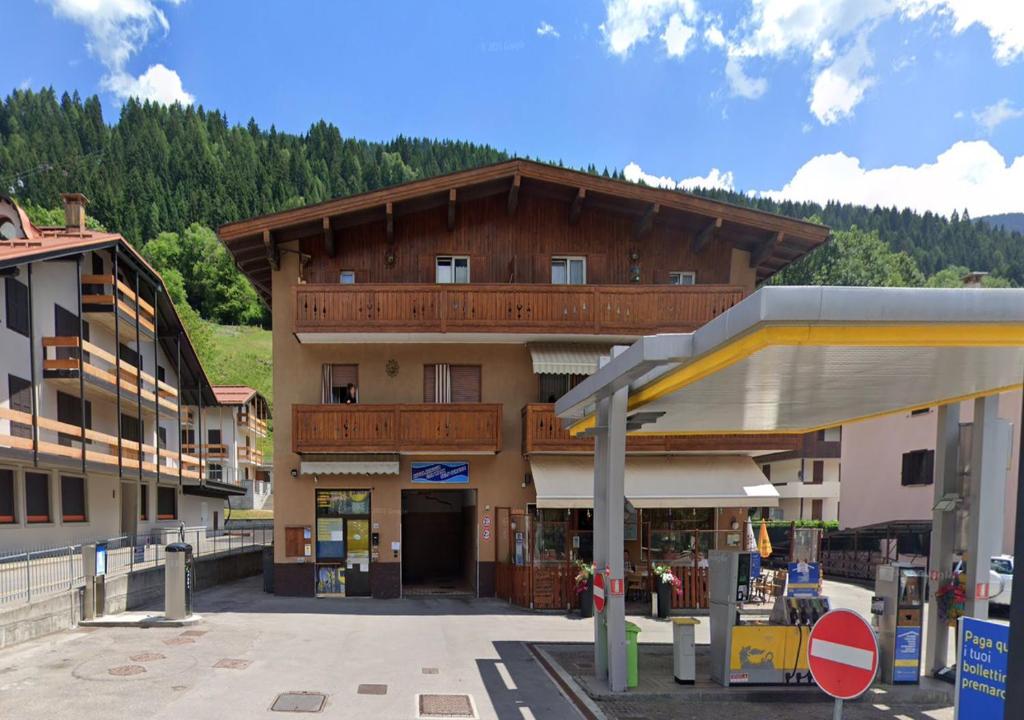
pixel 837 711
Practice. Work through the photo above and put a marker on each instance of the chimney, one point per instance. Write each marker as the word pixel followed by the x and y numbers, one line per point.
pixel 973 279
pixel 74 211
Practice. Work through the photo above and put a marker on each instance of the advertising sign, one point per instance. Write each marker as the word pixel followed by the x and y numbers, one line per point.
pixel 981 669
pixel 101 559
pixel 441 473
pixel 803 580
pixel 768 654
pixel 907 656
pixel 755 564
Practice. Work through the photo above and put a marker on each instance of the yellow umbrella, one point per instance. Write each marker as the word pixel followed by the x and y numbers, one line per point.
pixel 764 543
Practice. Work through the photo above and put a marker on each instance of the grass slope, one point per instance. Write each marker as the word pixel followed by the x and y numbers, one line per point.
pixel 241 355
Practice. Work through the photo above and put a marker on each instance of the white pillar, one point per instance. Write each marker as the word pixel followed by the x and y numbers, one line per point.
pixel 947 442
pixel 600 539
pixel 615 606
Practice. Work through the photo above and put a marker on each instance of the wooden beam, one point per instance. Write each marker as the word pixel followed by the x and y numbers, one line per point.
pixel 451 209
pixel 646 221
pixel 576 209
pixel 763 251
pixel 389 212
pixel 328 238
pixel 273 256
pixel 702 239
pixel 513 194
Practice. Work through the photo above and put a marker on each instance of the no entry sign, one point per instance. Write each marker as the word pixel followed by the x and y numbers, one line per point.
pixel 842 654
pixel 598 592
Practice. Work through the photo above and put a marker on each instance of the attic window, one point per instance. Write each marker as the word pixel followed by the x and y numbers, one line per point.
pixel 8 230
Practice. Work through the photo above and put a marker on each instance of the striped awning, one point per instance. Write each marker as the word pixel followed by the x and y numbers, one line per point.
pixel 566 358
pixel 350 464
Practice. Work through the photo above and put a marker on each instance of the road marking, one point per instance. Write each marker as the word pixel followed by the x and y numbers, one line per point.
pixel 506 678
pixel 844 654
pixel 526 712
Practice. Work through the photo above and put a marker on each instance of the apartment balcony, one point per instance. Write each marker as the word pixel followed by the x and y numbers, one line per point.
pixel 543 434
pixel 409 428
pixel 248 421
pixel 208 451
pixel 66 358
pixel 525 309
pixel 109 301
pixel 250 455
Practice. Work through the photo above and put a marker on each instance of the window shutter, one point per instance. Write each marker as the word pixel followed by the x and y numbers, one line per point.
pixel 17 306
pixel 465 383
pixel 429 395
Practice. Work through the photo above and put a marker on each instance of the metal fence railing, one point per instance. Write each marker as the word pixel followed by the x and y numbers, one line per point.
pixel 26 575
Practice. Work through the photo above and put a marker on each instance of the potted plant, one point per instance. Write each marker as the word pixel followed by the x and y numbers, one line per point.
pixel 667 582
pixel 585 588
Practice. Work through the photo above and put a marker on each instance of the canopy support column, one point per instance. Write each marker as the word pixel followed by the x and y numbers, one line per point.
pixel 600 536
pixel 940 559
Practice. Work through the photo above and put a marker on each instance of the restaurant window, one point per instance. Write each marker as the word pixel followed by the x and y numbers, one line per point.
pixel 444 383
pixel 554 386
pixel 918 467
pixel 166 503
pixel 335 381
pixel 16 296
pixel 20 393
pixel 37 497
pixel 8 514
pixel 347 277
pixel 568 271
pixel 72 498
pixel 144 501
pixel 451 269
pixel 69 410
pixel 684 277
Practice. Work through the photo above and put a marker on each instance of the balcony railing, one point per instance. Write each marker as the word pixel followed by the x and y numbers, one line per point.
pixel 249 421
pixel 629 310
pixel 464 427
pixel 209 451
pixel 250 454
pixel 102 293
pixel 62 361
pixel 543 433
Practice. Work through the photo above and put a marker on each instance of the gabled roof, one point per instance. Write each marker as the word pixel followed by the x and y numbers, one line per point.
pixel 773 240
pixel 233 394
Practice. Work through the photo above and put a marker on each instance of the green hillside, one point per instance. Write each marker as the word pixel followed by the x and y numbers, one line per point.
pixel 240 355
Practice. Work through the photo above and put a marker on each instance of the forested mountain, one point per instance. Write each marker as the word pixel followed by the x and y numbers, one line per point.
pixel 162 176
pixel 1007 221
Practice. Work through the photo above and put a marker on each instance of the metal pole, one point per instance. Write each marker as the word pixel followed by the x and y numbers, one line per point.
pixel 988 483
pixel 615 603
pixel 1015 662
pixel 32 372
pixel 837 710
pixel 600 538
pixel 947 481
pixel 81 357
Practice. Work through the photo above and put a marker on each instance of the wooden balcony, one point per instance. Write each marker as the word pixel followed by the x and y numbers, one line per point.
pixel 543 433
pixel 412 428
pixel 208 451
pixel 249 454
pixel 249 422
pixel 107 301
pixel 618 310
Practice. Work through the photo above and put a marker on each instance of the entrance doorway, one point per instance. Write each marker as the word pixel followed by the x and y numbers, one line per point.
pixel 439 542
pixel 343 543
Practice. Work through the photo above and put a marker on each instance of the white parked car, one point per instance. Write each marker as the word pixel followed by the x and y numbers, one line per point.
pixel 1000 579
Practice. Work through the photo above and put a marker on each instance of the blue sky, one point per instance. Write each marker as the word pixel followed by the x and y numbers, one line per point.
pixel 915 103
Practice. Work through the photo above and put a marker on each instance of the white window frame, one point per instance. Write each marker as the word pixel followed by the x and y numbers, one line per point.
pixel 451 260
pixel 676 277
pixel 349 273
pixel 567 261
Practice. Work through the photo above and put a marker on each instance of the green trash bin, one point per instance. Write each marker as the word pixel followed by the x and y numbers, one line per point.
pixel 632 655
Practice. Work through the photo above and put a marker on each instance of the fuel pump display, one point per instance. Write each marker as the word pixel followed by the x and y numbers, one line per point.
pixel 899 616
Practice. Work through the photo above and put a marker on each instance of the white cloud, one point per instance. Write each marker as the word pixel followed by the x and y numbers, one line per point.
pixel 629 22
pixel 996 114
pixel 677 36
pixel 117 30
pixel 969 174
pixel 1003 19
pixel 158 84
pixel 714 179
pixel 841 86
pixel 742 84
pixel 634 173
pixel 714 37
pixel 547 29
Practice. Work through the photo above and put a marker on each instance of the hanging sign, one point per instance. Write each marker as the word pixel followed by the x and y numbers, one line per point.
pixel 441 473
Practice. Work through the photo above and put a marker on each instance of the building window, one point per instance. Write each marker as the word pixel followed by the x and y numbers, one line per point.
pixel 920 411
pixel 7 501
pixel 161 373
pixel 161 435
pixel 918 467
pixel 17 306
pixel 144 501
pixel 215 471
pixel 817 472
pixel 816 509
pixel 444 383
pixel 69 410
pixel 20 393
pixel 339 384
pixel 568 271
pixel 452 269
pixel 72 498
pixel 37 497
pixel 683 277
pixel 166 503
pixel 347 277
pixel 554 386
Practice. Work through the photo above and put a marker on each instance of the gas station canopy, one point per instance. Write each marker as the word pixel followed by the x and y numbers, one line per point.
pixel 798 359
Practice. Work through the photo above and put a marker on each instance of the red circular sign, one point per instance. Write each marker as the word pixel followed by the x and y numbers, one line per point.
pixel 598 592
pixel 842 654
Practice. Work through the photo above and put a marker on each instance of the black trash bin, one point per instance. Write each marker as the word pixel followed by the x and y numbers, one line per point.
pixel 268 569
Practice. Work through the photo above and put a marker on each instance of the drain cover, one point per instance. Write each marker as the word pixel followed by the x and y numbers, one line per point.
pixel 126 670
pixel 146 657
pixel 446 706
pixel 430 671
pixel 233 664
pixel 299 702
pixel 372 690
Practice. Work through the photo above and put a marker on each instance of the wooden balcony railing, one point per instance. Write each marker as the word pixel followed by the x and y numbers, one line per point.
pixel 465 427
pixel 62 360
pixel 209 451
pixel 543 433
pixel 253 424
pixel 100 294
pixel 250 454
pixel 525 308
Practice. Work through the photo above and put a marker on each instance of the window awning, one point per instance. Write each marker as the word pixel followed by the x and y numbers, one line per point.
pixel 566 358
pixel 657 482
pixel 350 464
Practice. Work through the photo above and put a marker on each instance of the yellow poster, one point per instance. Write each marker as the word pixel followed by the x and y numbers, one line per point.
pixel 775 654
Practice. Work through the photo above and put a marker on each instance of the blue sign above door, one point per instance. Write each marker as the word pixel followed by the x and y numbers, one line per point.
pixel 444 473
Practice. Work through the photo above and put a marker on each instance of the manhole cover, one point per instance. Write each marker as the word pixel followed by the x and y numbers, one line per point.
pixel 126 670
pixel 372 690
pixel 194 633
pixel 446 706
pixel 233 664
pixel 299 702
pixel 146 657
pixel 430 671
pixel 179 641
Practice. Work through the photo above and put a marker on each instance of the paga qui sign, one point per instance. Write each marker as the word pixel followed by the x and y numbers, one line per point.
pixel 442 473
pixel 981 670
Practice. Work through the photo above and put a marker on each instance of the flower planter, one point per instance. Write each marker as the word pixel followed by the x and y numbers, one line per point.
pixel 587 600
